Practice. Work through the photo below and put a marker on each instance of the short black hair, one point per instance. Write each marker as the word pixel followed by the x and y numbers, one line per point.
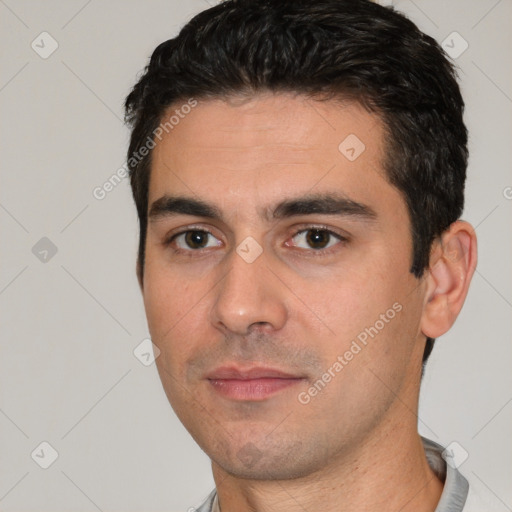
pixel 340 49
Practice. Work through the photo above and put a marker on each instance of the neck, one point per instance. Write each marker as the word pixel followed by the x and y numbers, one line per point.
pixel 388 472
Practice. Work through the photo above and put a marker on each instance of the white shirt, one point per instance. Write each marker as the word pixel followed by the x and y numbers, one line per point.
pixel 457 496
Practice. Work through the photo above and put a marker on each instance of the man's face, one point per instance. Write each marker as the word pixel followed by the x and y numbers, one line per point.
pixel 272 254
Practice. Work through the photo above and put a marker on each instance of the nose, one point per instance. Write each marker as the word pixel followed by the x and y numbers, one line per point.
pixel 249 295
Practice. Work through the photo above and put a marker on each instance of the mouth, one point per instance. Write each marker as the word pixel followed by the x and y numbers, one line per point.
pixel 252 384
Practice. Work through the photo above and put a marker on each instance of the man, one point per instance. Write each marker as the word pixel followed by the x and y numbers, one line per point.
pixel 298 169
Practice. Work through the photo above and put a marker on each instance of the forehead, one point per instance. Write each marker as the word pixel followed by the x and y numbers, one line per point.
pixel 257 149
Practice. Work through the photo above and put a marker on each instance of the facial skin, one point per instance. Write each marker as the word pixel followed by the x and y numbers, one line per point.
pixel 297 307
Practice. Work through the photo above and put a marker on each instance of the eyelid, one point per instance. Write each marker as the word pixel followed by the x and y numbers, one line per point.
pixel 309 252
pixel 169 238
pixel 339 233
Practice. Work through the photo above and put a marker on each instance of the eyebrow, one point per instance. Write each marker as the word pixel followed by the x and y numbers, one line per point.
pixel 324 204
pixel 169 206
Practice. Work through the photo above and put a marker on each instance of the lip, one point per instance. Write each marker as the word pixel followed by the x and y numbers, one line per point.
pixel 250 384
pixel 256 372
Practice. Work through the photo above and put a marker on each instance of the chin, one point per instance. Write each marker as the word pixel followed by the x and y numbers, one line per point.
pixel 288 461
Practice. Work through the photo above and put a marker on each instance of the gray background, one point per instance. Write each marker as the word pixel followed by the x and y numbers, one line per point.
pixel 70 321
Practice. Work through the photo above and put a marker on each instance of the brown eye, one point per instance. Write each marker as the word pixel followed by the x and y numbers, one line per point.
pixel 195 239
pixel 316 238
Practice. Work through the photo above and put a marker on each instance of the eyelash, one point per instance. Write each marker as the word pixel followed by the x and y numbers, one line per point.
pixel 342 240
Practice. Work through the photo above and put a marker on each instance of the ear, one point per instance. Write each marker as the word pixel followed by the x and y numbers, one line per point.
pixel 452 264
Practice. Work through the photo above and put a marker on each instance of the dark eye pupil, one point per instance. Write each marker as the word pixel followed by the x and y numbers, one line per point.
pixel 318 238
pixel 196 239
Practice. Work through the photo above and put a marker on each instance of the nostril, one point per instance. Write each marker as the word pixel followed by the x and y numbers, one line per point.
pixel 259 326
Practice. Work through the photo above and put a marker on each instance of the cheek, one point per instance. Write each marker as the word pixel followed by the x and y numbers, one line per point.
pixel 173 307
pixel 376 307
pixel 348 301
pixel 369 355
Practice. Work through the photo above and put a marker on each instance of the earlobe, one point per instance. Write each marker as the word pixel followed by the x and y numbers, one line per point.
pixel 452 264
